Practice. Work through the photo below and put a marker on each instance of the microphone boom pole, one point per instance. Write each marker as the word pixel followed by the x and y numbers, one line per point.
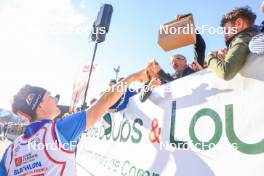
pixel 102 22
pixel 84 104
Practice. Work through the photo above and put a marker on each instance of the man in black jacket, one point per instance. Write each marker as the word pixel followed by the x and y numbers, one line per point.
pixel 179 64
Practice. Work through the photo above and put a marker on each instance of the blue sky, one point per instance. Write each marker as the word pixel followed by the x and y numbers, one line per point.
pixel 44 42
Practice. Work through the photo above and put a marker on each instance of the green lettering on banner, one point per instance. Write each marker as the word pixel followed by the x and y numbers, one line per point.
pixel 132 171
pixel 155 174
pixel 108 120
pixel 122 169
pixel 252 149
pixel 137 140
pixel 116 166
pixel 140 172
pixel 108 136
pixel 115 138
pixel 101 132
pixel 125 138
pixel 106 132
pixel 179 144
pixel 218 129
pixel 147 173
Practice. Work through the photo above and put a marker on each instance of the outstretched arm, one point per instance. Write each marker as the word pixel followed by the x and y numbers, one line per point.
pixel 199 49
pixel 95 112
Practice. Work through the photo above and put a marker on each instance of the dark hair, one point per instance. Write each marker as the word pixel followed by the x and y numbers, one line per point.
pixel 239 12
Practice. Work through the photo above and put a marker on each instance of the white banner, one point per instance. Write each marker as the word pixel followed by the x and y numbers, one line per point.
pixel 198 125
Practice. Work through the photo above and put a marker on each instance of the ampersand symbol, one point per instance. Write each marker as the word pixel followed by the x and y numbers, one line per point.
pixel 154 133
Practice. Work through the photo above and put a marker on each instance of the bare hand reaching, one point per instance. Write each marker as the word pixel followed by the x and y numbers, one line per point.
pixel 155 82
pixel 221 53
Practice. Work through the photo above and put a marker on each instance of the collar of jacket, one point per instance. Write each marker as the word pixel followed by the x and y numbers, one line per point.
pixel 180 74
pixel 34 127
pixel 250 30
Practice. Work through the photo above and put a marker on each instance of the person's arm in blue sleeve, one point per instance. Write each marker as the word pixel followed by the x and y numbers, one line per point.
pixel 3 171
pixel 117 103
pixel 123 104
pixel 70 128
pixel 108 98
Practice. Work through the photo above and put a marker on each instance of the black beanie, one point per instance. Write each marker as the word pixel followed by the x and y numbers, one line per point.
pixel 26 101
